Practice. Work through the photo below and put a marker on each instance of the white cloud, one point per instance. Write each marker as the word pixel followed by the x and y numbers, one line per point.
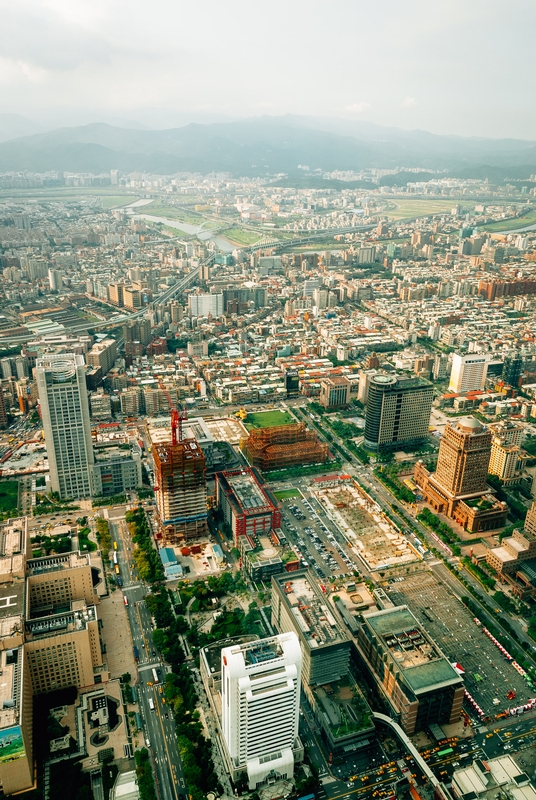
pixel 409 102
pixel 357 108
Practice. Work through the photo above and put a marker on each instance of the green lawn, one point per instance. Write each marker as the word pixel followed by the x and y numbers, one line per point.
pixel 512 224
pixel 286 494
pixel 268 419
pixel 417 208
pixel 9 496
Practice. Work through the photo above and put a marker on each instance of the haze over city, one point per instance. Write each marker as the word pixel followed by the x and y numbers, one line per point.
pixel 267 400
pixel 449 67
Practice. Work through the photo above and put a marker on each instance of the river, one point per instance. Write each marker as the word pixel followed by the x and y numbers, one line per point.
pixel 185 227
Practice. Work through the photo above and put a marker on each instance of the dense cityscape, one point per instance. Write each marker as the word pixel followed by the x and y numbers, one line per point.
pixel 268 486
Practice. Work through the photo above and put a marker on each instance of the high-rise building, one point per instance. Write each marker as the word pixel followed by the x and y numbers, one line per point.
pixel 505 458
pixel 298 605
pixel 180 489
pixel 513 364
pixel 3 413
pixel 458 487
pixel 55 280
pixel 61 385
pixel 103 355
pixel 468 373
pixel 203 305
pixel 260 689
pixel 115 291
pixel 440 370
pixel 398 411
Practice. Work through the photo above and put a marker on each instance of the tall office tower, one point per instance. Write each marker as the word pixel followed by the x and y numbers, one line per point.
pixel 458 487
pixel 512 370
pixel 115 291
pixel 464 452
pixel 260 706
pixel 468 372
pixel 55 281
pixel 181 489
pixel 398 411
pixel 61 385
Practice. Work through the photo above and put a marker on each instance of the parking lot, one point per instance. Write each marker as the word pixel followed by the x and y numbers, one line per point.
pixel 313 538
pixel 488 676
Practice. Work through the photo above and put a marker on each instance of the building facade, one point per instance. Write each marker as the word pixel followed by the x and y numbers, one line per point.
pixel 458 487
pixel 468 372
pixel 260 690
pixel 63 398
pixel 398 411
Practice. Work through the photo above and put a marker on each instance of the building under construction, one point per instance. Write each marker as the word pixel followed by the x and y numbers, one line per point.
pixel 283 446
pixel 180 489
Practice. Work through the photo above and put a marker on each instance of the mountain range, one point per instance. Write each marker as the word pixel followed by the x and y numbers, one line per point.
pixel 257 146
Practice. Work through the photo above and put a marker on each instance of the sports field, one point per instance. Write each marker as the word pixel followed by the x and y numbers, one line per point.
pixel 286 494
pixel 268 419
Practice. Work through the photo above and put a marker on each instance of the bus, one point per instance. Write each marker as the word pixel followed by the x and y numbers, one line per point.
pixel 125 598
pixel 117 569
pixel 155 676
pixel 115 557
pixel 446 752
pixel 115 545
pixel 151 704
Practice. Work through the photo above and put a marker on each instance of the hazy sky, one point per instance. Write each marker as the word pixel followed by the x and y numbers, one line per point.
pixel 449 66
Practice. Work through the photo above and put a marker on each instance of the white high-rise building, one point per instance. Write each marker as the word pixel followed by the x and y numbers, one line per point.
pixel 61 385
pixel 468 372
pixel 201 305
pixel 55 280
pixel 260 690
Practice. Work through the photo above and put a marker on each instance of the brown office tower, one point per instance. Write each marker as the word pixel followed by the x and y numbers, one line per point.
pixel 458 486
pixel 180 488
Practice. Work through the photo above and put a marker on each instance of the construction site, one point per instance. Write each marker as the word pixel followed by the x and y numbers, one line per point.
pixel 283 446
pixel 180 486
pixel 371 534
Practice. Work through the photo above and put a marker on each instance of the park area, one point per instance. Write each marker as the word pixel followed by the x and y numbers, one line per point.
pixel 268 419
pixel 9 497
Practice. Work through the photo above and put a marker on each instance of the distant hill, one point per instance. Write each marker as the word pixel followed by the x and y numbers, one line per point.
pixel 262 145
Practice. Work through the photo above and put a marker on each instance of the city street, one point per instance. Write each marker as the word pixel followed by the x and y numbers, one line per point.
pixel 158 724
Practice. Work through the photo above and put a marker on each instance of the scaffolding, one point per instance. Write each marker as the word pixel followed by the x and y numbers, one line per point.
pixel 181 494
pixel 283 446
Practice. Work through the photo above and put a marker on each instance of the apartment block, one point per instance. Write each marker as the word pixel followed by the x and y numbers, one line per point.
pixel 335 392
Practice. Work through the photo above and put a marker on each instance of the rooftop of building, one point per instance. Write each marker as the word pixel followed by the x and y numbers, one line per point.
pixel 246 490
pixel 309 606
pixel 409 647
pixel 212 652
pixel 73 617
pixel 481 779
pixel 344 708
pixel 12 606
pixel 187 449
pixel 38 566
pixel 194 428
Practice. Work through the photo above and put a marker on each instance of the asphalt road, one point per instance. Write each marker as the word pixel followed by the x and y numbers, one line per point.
pixel 158 725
